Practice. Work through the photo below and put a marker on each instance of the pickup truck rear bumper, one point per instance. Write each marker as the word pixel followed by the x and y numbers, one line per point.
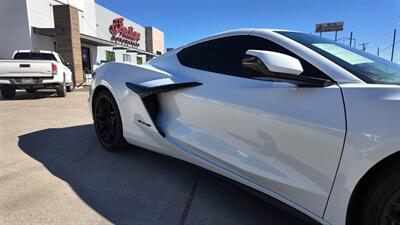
pixel 35 82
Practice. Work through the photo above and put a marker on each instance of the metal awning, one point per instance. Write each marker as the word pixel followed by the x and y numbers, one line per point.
pixel 141 51
pixel 90 40
pixel 86 39
pixel 51 32
pixel 129 49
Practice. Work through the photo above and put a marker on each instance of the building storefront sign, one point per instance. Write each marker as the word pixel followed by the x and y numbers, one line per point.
pixel 124 35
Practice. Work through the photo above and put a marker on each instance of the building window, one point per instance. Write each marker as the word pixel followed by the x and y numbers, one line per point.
pixel 110 56
pixel 127 58
pixel 139 60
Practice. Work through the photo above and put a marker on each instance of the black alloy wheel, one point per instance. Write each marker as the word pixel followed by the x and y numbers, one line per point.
pixel 381 203
pixel 391 211
pixel 107 122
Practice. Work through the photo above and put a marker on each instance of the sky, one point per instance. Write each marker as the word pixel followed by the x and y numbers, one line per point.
pixel 184 21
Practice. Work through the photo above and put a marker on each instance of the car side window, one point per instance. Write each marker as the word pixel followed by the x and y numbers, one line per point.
pixel 224 55
pixel 62 60
pixel 219 55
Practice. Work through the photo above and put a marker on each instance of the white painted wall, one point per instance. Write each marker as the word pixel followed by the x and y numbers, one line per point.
pixel 87 18
pixel 101 53
pixel 14 26
pixel 41 42
pixel 133 57
pixel 40 13
pixel 119 55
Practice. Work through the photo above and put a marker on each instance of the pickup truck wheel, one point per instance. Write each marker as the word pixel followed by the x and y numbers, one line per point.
pixel 8 91
pixel 61 90
pixel 382 202
pixel 70 87
pixel 30 90
pixel 107 121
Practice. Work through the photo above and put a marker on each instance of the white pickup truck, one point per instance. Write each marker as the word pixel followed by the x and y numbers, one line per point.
pixel 32 70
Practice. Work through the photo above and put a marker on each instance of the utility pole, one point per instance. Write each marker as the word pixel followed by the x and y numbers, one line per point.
pixel 335 35
pixel 351 37
pixel 394 43
pixel 364 46
pixel 377 53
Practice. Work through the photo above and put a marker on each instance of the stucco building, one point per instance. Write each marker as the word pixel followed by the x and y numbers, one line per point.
pixel 82 31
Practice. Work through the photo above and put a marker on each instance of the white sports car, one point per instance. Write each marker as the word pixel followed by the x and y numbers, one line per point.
pixel 308 121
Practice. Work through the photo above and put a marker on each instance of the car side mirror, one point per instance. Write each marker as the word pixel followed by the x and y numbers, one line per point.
pixel 274 62
pixel 268 65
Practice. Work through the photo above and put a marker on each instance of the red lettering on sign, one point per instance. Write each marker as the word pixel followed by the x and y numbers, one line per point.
pixel 125 35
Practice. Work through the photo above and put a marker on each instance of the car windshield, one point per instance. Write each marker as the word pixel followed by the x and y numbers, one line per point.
pixel 34 56
pixel 367 67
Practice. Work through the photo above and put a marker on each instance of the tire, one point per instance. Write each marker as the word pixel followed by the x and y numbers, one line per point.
pixel 8 91
pixel 107 122
pixel 70 87
pixel 382 201
pixel 30 90
pixel 61 90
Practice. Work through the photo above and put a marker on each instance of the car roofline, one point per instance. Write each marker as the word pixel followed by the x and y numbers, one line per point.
pixel 243 31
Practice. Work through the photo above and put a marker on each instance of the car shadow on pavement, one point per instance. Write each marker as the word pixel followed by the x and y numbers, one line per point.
pixel 137 186
pixel 23 95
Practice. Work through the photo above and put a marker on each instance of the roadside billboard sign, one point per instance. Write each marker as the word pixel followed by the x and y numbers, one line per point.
pixel 329 27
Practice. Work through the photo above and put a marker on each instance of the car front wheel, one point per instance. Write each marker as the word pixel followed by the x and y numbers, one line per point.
pixel 107 121
pixel 382 202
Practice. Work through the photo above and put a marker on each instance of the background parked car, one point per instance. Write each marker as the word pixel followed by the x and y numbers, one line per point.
pixel 33 70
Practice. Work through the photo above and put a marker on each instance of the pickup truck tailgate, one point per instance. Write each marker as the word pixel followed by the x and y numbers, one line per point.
pixel 25 68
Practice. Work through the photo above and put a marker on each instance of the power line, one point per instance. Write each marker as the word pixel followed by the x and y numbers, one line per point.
pixel 389 46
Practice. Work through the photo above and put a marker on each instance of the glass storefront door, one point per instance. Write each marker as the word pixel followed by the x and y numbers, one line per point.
pixel 86 62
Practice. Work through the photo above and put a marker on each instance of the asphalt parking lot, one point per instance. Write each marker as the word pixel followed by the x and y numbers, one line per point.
pixel 53 171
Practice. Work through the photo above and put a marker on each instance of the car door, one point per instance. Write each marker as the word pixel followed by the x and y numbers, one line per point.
pixel 285 138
